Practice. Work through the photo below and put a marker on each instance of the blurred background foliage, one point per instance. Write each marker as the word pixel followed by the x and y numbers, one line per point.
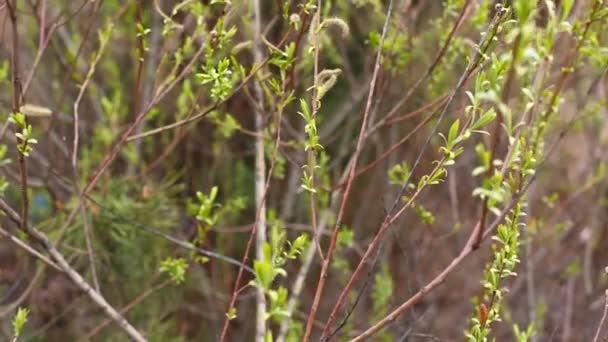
pixel 151 189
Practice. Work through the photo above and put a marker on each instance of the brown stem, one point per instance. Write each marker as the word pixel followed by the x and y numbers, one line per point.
pixel 127 308
pixel 76 278
pixel 603 324
pixel 17 102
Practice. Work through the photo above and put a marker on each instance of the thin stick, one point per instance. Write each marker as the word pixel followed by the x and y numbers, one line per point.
pixel 602 326
pixel 83 89
pixel 204 112
pixel 127 308
pixel 390 150
pixel 6 234
pixel 76 278
pixel 298 284
pixel 17 102
pixel 25 294
pixel 496 134
pixel 87 238
pixel 209 109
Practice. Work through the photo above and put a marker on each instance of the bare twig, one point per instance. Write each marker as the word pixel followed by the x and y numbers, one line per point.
pixel 137 95
pixel 298 284
pixel 89 244
pixel 20 243
pixel 17 102
pixel 83 89
pixel 76 278
pixel 127 308
pixel 207 110
pixel 496 134
pixel 151 62
pixel 122 140
pixel 602 329
pixel 23 296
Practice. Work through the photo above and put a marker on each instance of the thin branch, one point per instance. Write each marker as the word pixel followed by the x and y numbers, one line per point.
pixel 17 103
pixel 207 110
pixel 390 150
pixel 20 243
pixel 76 278
pixel 140 36
pixel 603 326
pixel 298 284
pixel 83 89
pixel 496 134
pixel 127 308
pixel 25 294
pixel 89 245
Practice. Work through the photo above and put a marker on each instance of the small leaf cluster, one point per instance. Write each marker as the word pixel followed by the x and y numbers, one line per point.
pixel 399 174
pixel 176 269
pixel 311 145
pixel 23 134
pixel 19 321
pixel 277 253
pixel 219 72
pixel 523 335
pixel 205 211
pixel 220 77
